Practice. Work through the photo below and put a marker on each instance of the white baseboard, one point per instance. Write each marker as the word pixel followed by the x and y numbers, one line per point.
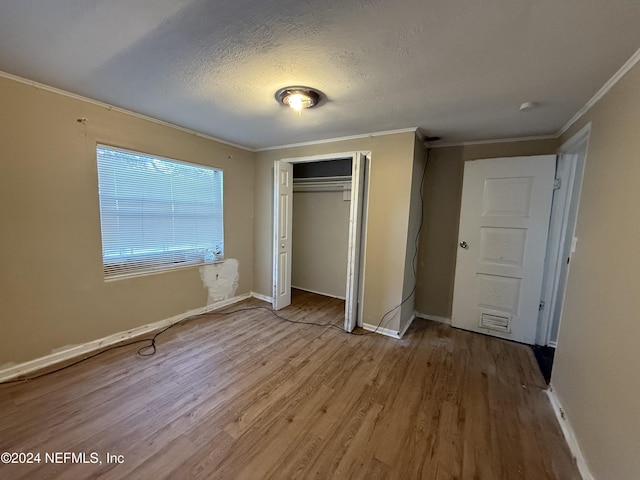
pixel 89 347
pixel 318 293
pixel 385 331
pixel 569 435
pixel 262 297
pixel 406 327
pixel 382 331
pixel 435 318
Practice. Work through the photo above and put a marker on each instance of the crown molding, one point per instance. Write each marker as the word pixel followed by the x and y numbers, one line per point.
pixel 498 140
pixel 75 96
pixel 629 64
pixel 340 139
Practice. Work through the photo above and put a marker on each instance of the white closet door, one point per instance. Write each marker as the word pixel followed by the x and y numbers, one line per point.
pixel 355 239
pixel 283 213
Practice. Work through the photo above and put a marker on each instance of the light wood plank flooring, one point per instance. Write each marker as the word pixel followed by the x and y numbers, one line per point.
pixel 250 396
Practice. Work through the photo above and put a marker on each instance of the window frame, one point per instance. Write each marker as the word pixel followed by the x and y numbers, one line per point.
pixel 142 264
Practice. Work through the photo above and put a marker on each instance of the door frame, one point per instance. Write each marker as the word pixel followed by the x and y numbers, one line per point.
pixel 357 227
pixel 564 215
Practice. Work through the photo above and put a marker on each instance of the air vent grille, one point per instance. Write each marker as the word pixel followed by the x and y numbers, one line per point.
pixel 494 322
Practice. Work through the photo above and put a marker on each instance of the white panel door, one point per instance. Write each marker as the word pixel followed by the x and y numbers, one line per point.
pixel 355 239
pixel 283 212
pixel 504 221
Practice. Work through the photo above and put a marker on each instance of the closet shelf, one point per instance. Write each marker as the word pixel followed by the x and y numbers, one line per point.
pixel 324 184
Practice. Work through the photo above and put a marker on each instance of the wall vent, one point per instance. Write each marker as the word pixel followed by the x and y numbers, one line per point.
pixel 495 322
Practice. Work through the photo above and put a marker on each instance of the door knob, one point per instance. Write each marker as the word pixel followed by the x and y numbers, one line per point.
pixel 464 245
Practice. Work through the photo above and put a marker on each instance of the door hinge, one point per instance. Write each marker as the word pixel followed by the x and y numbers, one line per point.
pixel 557 183
pixel 541 306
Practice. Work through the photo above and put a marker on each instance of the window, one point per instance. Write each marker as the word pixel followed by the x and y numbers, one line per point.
pixel 156 213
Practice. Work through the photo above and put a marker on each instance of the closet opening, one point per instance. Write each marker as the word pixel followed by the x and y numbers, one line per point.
pixel 320 223
pixel 319 212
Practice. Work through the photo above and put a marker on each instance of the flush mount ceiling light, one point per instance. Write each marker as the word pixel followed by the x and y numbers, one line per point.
pixel 298 98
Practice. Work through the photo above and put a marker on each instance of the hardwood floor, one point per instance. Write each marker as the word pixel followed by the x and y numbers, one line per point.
pixel 250 396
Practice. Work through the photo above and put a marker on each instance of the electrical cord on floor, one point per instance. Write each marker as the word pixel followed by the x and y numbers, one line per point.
pixel 21 380
pixel 151 348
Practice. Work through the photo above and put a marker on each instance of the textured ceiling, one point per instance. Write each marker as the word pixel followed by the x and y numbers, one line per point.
pixel 456 68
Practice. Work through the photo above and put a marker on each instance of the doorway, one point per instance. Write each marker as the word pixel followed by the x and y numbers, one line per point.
pixel 496 248
pixel 562 243
pixel 283 228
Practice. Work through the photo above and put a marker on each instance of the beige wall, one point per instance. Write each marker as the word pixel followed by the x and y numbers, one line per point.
pixel 387 225
pixel 415 216
pixel 52 290
pixel 596 370
pixel 442 197
pixel 320 240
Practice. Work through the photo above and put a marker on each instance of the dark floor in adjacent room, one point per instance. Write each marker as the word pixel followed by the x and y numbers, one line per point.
pixel 544 357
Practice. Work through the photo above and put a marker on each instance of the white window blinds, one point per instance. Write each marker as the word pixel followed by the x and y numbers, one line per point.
pixel 156 213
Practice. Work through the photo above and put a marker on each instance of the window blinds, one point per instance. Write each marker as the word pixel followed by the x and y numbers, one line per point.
pixel 157 213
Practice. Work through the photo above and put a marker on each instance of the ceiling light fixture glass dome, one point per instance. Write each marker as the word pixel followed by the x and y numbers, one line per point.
pixel 298 98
